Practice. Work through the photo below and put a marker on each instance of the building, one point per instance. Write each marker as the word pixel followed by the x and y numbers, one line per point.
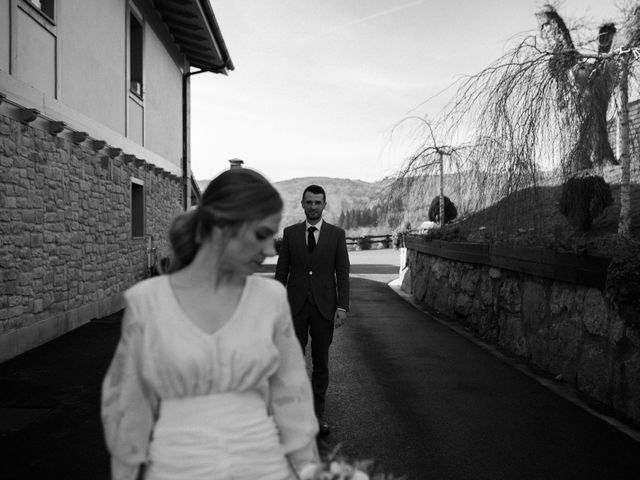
pixel 94 151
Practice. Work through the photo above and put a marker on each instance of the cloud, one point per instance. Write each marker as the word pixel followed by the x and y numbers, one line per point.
pixel 358 21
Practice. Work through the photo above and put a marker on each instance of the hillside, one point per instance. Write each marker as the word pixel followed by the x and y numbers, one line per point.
pixel 531 218
pixel 345 194
pixel 342 194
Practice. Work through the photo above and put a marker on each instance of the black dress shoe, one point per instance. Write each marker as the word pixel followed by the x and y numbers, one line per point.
pixel 324 428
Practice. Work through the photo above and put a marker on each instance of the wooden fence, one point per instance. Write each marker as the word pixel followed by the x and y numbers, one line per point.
pixel 567 267
pixel 366 241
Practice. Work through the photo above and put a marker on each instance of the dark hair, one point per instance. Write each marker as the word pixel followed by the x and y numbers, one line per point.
pixel 315 189
pixel 234 197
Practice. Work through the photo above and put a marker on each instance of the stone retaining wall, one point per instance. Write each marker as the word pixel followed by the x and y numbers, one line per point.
pixel 66 249
pixel 572 332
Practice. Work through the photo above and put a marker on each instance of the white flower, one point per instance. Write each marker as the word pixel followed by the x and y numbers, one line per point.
pixel 358 475
pixel 308 471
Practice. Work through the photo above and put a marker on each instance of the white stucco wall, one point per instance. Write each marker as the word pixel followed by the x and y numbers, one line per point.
pixel 163 100
pixel 75 69
pixel 35 48
pixel 92 49
pixel 5 35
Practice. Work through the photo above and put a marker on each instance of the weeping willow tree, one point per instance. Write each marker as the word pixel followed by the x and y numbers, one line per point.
pixel 541 108
pixel 433 166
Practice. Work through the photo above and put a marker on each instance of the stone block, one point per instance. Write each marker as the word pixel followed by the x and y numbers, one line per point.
pixel 37 240
pixel 486 290
pixel 512 336
pixel 626 381
pixel 486 325
pixel 495 273
pixel 539 348
pixel 565 339
pixel 441 293
pixel 440 269
pixel 463 305
pixel 632 333
pixel 616 328
pixel 593 377
pixel 510 296
pixel 455 275
pixel 469 281
pixel 419 287
pixel 534 304
pixel 595 313
pixel 38 305
pixel 562 297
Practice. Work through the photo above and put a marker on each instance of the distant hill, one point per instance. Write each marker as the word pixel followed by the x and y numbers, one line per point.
pixel 342 194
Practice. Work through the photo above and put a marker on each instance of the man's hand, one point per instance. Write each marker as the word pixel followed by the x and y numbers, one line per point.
pixel 339 318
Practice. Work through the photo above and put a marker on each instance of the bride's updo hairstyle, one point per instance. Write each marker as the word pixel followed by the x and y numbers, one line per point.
pixel 235 197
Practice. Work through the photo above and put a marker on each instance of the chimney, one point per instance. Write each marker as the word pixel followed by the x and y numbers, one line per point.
pixel 236 163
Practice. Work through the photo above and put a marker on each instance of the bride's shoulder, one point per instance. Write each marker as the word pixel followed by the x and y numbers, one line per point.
pixel 148 291
pixel 268 286
pixel 147 285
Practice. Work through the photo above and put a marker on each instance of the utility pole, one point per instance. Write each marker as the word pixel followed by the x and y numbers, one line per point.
pixel 624 223
pixel 440 154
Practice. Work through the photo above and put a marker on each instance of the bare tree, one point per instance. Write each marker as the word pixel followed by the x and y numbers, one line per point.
pixel 430 159
pixel 543 107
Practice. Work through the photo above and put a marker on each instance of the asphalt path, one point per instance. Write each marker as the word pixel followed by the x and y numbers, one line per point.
pixel 423 401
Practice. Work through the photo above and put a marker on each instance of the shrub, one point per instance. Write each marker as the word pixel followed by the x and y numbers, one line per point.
pixel 450 210
pixel 364 243
pixel 623 281
pixel 583 199
pixel 399 233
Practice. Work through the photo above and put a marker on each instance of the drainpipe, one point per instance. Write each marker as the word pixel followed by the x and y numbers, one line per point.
pixel 186 135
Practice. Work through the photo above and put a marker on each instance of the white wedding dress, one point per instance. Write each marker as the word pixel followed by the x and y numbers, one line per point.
pixel 235 404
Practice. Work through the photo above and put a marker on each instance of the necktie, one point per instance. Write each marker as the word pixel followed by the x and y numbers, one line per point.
pixel 311 239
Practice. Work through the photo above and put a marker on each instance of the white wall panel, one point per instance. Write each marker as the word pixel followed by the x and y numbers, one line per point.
pixel 36 54
pixel 5 35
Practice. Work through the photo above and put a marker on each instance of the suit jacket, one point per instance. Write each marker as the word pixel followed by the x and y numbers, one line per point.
pixel 325 272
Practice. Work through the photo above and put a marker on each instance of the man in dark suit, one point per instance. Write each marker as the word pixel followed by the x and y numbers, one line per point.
pixel 313 264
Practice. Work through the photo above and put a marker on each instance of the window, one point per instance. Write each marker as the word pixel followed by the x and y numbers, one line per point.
pixel 135 55
pixel 137 208
pixel 45 6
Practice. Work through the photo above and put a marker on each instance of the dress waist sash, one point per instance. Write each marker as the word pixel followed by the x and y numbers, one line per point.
pixel 221 436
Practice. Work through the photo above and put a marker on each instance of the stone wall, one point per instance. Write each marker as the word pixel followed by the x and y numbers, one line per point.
pixel 570 331
pixel 66 249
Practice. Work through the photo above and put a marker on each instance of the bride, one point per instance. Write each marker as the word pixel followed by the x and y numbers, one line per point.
pixel 208 380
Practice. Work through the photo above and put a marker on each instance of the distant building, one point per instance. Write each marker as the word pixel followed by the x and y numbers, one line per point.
pixel 236 163
pixel 94 151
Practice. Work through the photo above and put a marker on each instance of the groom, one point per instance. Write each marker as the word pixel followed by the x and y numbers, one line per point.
pixel 313 264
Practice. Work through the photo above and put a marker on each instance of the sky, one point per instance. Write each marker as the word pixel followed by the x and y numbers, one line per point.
pixel 324 87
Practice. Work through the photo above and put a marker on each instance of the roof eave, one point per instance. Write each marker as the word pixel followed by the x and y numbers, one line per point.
pixel 205 48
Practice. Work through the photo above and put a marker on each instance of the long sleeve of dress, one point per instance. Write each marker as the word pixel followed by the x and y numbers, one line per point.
pixel 291 396
pixel 127 405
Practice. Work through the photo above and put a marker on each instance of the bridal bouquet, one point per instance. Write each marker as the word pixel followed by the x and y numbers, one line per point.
pixel 337 468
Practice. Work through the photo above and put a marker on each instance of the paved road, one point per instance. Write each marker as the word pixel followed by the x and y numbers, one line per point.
pixel 405 390
pixel 428 403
